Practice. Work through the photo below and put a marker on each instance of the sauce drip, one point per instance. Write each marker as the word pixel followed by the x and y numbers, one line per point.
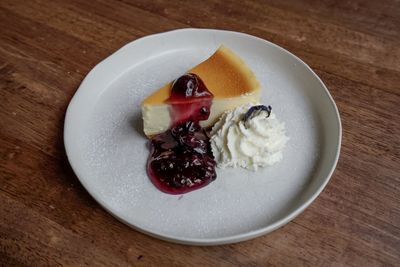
pixel 181 159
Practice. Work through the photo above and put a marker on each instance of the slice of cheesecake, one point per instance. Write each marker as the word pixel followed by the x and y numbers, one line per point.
pixel 225 75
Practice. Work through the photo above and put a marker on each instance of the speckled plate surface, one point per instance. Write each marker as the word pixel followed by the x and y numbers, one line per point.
pixel 108 151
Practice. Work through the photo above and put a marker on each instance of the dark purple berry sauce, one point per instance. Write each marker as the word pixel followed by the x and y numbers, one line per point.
pixel 190 99
pixel 181 159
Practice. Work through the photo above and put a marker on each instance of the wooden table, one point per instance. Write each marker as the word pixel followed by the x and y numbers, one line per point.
pixel 47 48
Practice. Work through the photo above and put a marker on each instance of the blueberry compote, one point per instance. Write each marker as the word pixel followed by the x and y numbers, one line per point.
pixel 181 159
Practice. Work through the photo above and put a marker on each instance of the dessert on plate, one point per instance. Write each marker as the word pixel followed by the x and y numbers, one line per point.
pixel 226 76
pixel 178 118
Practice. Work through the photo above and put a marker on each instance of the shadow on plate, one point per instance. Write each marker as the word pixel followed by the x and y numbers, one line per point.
pixel 136 122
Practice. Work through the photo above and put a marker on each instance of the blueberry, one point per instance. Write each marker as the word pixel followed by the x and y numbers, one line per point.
pixel 204 111
pixel 255 110
pixel 189 85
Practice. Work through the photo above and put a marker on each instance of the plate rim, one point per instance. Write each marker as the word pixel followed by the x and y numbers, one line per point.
pixel 201 241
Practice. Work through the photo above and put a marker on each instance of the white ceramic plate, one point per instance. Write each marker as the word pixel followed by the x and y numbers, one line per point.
pixel 108 151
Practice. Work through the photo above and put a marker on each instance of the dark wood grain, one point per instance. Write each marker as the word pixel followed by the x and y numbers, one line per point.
pixel 46 49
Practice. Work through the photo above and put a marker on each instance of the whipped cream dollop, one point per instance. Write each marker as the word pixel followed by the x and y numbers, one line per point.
pixel 248 138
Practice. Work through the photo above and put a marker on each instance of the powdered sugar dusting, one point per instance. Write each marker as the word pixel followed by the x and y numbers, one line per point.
pixel 239 201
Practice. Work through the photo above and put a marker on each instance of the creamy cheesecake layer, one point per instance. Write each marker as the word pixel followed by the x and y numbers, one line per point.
pixel 156 118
